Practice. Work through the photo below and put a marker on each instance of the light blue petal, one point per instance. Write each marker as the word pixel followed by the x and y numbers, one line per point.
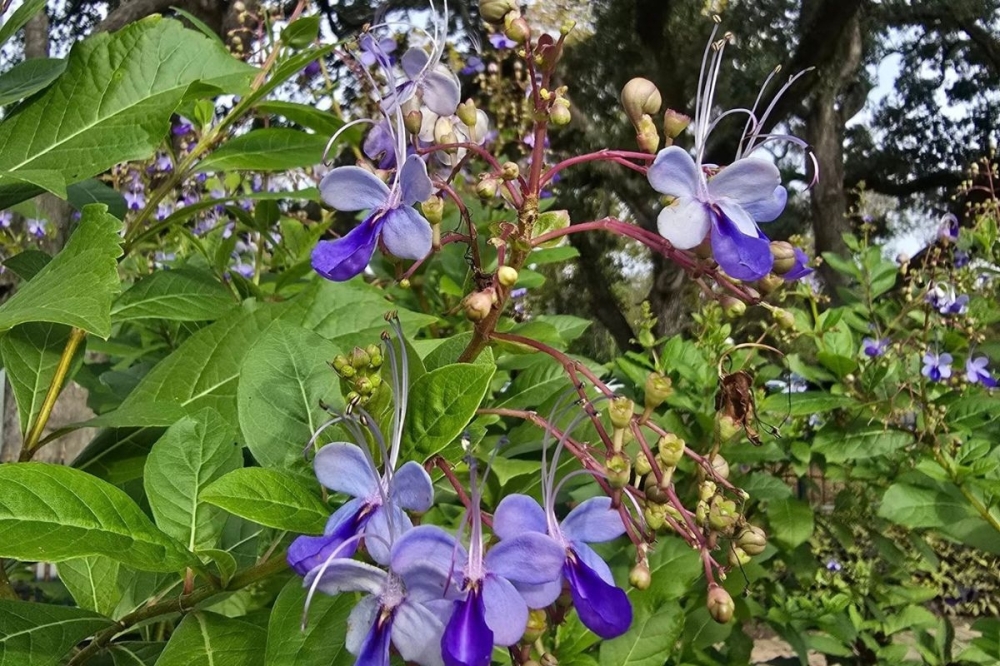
pixel 413 61
pixel 517 514
pixel 342 575
pixel 360 621
pixel 414 182
pixel 530 558
pixel 416 633
pixel 674 173
pixel 345 468
pixel 540 596
pixel 388 523
pixel 412 488
pixel 441 91
pixel 684 223
pixel 593 521
pixel 406 233
pixel 766 210
pixel 746 181
pixel 506 611
pixel 350 188
pixel 427 546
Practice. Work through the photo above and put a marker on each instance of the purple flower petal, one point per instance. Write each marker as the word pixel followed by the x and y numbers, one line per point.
pixel 415 184
pixel 540 596
pixel 800 269
pixel 414 61
pixel 766 210
pixel 344 468
pixel 412 488
pixel 468 640
pixel 348 256
pixel 741 256
pixel 530 558
pixel 350 188
pixel 588 556
pixel 359 622
pixel 684 223
pixel 593 521
pixel 746 181
pixel 441 91
pixel 674 173
pixel 308 552
pixel 426 546
pixel 379 145
pixel 375 648
pixel 517 514
pixel 603 608
pixel 416 633
pixel 346 575
pixel 506 611
pixel 388 524
pixel 406 233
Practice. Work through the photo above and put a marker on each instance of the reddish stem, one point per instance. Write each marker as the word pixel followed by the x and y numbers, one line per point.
pixel 618 156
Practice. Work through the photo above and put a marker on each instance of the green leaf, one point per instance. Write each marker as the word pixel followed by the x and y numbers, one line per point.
pixel 448 352
pixel 47 180
pixel 916 507
pixel 649 641
pixel 675 567
pixel 271 497
pixel 183 294
pixel 17 20
pixel 122 88
pixel 54 513
pixel 839 447
pixel 96 583
pixel 28 77
pixel 30 354
pixel 804 404
pixel 321 643
pixel 117 455
pixel 193 453
pixel 442 403
pixel 323 123
pixel 77 286
pixel 94 191
pixel 28 264
pixel 283 382
pixel 204 370
pixel 41 634
pixel 199 25
pixel 791 521
pixel 272 149
pixel 209 639
pixel 301 32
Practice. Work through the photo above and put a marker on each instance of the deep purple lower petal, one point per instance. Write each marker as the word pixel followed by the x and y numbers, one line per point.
pixel 348 256
pixel 603 608
pixel 467 640
pixel 742 257
pixel 800 269
pixel 307 552
pixel 375 648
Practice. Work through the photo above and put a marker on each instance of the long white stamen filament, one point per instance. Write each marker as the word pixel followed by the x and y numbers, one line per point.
pixel 752 122
pixel 550 482
pixel 575 473
pixel 698 113
pixel 557 413
pixel 404 390
pixel 326 564
pixel 336 135
pixel 475 566
pixel 319 431
pixel 751 140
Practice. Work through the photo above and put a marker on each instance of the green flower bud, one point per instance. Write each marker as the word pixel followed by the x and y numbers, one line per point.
pixel 720 604
pixel 647 136
pixel 752 539
pixel 769 283
pixel 507 276
pixel 516 28
pixel 722 514
pixel 412 121
pixel 701 512
pixel 654 493
pixel 509 170
pixel 732 306
pixel 640 97
pixel 549 659
pixel 674 123
pixel 673 512
pixel 670 449
pixel 404 283
pixel 719 466
pixel 559 113
pixel 348 372
pixel 621 410
pixel 538 624
pixel 642 464
pixel 352 396
pixel 375 354
pixel 433 209
pixel 619 469
pixel 784 257
pixel 360 358
pixel 639 577
pixel 738 557
pixel 494 11
pixel 486 187
pixel 467 113
pixel 658 388
pixel 726 427
pixel 654 515
pixel 707 490
pixel 783 318
pixel 478 305
pixel 340 362
pixel 364 386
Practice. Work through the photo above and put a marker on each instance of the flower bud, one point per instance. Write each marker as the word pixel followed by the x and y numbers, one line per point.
pixel 486 187
pixel 364 386
pixel 722 514
pixel 646 135
pixel 654 493
pixel 639 577
pixel 642 464
pixel 769 283
pixel 726 427
pixel 674 123
pixel 478 305
pixel 658 388
pixel 720 466
pixel 340 362
pixel 375 354
pixel 783 318
pixel 509 170
pixel 433 209
pixel 559 113
pixel 467 113
pixel 640 97
pixel 619 469
pixel 507 276
pixel 738 557
pixel 621 410
pixel 549 659
pixel 494 11
pixel 707 490
pixel 752 539
pixel 537 625
pixel 655 515
pixel 701 512
pixel 413 120
pixel 670 449
pixel 720 604
pixel 359 358
pixel 732 306
pixel 444 131
pixel 516 28
pixel 784 257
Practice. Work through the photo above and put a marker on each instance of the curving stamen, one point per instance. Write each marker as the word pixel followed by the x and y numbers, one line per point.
pixel 751 140
pixel 326 564
pixel 558 411
pixel 319 431
pixel 338 133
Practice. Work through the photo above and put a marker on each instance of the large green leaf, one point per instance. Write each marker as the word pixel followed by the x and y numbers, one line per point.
pixel 839 447
pixel 322 641
pixel 118 455
pixel 30 355
pixel 204 370
pixel 273 149
pixel 54 513
pixel 270 497
pixel 210 639
pixel 442 402
pixel 34 634
pixel 29 77
pixel 649 641
pixel 77 286
pixel 675 568
pixel 96 583
pixel 284 380
pixel 116 97
pixel 804 404
pixel 792 521
pixel 323 122
pixel 95 191
pixel 183 294
pixel 916 507
pixel 193 453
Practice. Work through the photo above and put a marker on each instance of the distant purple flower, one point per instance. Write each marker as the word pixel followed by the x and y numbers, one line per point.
pixel 161 259
pixel 949 228
pixel 474 65
pixel 976 372
pixel 834 566
pixel 182 126
pixel 163 163
pixel 937 366
pixel 190 196
pixel 244 268
pixel 217 192
pixel 434 85
pixel 520 292
pixel 943 299
pixel 961 258
pixel 312 69
pixel 135 200
pixel 874 347
pixel 501 42
pixel 36 226
pixel 529 140
pixel 380 146
pixel 393 219
pixel 6 218
pixel 793 383
pixel 164 209
pixel 376 50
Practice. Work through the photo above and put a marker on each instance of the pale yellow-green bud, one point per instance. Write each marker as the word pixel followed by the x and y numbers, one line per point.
pixel 752 539
pixel 516 28
pixel 647 136
pixel 769 283
pixel 674 123
pixel 784 257
pixel 720 466
pixel 670 449
pixel 738 557
pixel 642 464
pixel 618 469
pixel 732 306
pixel 359 358
pixel 509 170
pixel 783 318
pixel 412 121
pixel 658 388
pixel 507 276
pixel 375 354
pixel 621 410
pixel 720 604
pixel 494 11
pixel 478 304
pixel 639 577
pixel 707 490
pixel 433 209
pixel 486 187
pixel 722 514
pixel 640 97
pixel 467 113
pixel 726 427
pixel 538 624
pixel 559 113
pixel 654 515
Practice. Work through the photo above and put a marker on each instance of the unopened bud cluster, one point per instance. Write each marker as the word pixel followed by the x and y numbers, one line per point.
pixel 360 371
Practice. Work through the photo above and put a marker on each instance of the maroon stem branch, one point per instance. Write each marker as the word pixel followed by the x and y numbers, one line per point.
pixel 618 156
